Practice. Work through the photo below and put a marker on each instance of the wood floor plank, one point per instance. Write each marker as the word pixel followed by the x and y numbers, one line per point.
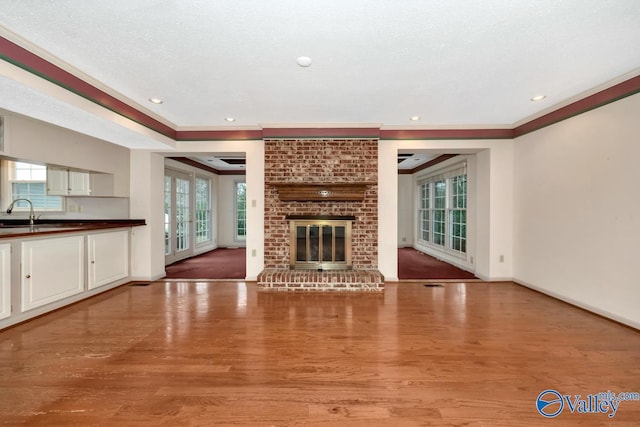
pixel 221 353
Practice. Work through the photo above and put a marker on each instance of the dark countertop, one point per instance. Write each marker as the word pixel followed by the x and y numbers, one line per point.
pixel 10 228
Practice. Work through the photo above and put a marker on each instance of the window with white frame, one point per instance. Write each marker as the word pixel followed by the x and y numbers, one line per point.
pixel 29 181
pixel 458 214
pixel 438 212
pixel 203 210
pixel 442 209
pixel 241 211
pixel 424 226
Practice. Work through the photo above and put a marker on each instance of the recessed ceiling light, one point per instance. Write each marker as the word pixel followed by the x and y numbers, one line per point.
pixel 230 119
pixel 155 100
pixel 415 118
pixel 304 61
pixel 538 97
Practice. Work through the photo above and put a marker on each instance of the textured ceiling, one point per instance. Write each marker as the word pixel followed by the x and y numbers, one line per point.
pixel 462 63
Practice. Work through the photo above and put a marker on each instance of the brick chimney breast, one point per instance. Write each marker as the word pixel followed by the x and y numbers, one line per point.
pixel 322 161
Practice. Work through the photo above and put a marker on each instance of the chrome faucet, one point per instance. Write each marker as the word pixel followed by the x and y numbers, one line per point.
pixel 32 216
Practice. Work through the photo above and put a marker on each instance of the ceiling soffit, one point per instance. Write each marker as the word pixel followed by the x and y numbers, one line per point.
pixel 32 63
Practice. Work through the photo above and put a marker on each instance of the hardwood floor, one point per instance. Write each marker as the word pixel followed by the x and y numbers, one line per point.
pixel 215 354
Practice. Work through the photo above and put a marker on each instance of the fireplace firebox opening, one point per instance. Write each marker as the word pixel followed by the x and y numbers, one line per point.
pixel 320 244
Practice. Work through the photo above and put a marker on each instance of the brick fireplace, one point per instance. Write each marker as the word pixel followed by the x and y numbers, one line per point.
pixel 307 178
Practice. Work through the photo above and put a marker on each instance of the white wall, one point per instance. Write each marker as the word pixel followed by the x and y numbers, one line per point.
pixel 147 201
pixel 406 217
pixel 388 209
pixel 499 212
pixel 96 207
pixel 226 210
pixel 577 210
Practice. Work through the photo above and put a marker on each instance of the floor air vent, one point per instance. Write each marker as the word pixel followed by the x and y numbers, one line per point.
pixel 433 285
pixel 140 284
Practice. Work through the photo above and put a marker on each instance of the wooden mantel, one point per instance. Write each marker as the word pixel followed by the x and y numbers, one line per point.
pixel 343 191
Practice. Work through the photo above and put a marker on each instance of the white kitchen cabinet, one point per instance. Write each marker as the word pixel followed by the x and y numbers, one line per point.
pixel 57 182
pixel 108 257
pixel 5 280
pixel 63 182
pixel 52 269
pixel 79 183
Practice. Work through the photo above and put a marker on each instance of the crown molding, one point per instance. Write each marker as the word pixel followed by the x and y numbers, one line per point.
pixel 28 61
pixel 447 134
pixel 219 135
pixel 606 96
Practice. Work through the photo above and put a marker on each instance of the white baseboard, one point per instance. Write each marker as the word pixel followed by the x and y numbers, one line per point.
pixel 493 279
pixel 588 307
pixel 148 279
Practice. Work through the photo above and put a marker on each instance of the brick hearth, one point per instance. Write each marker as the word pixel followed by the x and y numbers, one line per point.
pixel 275 279
pixel 321 161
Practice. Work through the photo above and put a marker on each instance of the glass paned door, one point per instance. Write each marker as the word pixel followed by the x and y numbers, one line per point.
pixel 183 218
pixel 168 188
pixel 178 216
pixel 203 210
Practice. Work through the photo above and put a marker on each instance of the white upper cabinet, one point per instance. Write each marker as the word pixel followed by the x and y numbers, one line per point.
pixel 64 182
pixel 79 184
pixel 57 182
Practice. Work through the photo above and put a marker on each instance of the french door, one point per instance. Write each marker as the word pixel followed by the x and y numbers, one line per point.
pixel 178 239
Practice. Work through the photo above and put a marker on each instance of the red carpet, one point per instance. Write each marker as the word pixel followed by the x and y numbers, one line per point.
pixel 413 264
pixel 218 264
pixel 230 264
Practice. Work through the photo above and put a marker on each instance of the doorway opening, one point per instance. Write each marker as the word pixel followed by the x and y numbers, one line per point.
pixel 436 214
pixel 205 216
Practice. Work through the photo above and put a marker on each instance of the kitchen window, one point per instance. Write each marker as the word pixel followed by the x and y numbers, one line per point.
pixel 29 181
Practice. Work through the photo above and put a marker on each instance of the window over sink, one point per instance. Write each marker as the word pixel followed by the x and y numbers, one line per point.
pixel 29 181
